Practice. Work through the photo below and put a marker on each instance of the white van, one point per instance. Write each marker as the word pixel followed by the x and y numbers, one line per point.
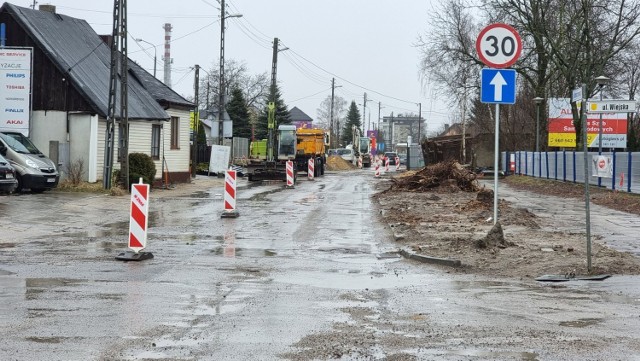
pixel 33 169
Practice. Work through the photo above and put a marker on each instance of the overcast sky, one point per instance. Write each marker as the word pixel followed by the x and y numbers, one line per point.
pixel 367 45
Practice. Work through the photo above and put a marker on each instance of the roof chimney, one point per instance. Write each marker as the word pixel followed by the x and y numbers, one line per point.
pixel 48 8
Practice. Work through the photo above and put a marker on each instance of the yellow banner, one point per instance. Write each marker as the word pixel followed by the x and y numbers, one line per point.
pixel 568 140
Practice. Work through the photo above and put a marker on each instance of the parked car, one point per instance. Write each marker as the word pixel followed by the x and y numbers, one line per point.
pixel 346 154
pixel 331 152
pixel 389 157
pixel 8 181
pixel 403 158
pixel 33 169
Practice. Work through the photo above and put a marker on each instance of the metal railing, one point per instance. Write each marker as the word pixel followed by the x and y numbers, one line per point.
pixel 568 166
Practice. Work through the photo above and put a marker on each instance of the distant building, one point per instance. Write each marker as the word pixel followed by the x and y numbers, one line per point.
pixel 397 129
pixel 300 119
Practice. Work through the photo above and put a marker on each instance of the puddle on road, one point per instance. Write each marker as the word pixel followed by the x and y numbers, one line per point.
pixel 243 252
pixel 349 280
pixel 45 339
pixel 484 355
pixel 190 342
pixel 37 286
pixel 7 245
pixel 582 322
pixel 52 282
pixel 6 273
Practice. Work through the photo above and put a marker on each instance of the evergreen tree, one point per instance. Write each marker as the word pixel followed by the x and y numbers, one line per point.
pixel 282 116
pixel 239 114
pixel 353 118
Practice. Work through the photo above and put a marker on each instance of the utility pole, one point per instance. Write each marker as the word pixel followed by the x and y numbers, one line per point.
pixel 124 95
pixel 333 84
pixel 34 4
pixel 118 65
pixel 464 125
pixel 378 133
pixel 272 102
pixel 221 86
pixel 419 123
pixel 390 135
pixel 364 108
pixel 196 121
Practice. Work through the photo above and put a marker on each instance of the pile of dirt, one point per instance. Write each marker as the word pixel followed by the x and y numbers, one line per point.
pixel 427 212
pixel 445 175
pixel 336 162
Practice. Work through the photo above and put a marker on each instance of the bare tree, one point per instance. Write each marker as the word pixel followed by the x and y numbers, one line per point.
pixel 255 87
pixel 588 38
pixel 566 42
pixel 324 113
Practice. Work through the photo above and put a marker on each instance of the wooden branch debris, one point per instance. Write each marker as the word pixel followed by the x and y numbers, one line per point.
pixel 449 174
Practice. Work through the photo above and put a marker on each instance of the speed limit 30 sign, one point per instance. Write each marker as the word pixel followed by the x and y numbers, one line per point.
pixel 499 45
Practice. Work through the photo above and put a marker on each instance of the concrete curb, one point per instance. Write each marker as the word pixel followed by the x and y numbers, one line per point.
pixel 428 259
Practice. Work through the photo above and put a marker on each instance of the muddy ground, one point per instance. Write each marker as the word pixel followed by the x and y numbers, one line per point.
pixel 447 222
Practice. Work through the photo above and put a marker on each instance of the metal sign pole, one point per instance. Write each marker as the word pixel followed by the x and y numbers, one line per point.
pixel 495 166
pixel 583 119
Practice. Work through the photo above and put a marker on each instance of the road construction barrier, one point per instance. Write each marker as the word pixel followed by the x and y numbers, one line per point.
pixel 397 164
pixel 290 179
pixel 377 174
pixel 360 162
pixel 311 169
pixel 386 164
pixel 139 218
pixel 230 194
pixel 138 223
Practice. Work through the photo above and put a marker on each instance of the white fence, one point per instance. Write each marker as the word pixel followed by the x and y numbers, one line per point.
pixel 568 166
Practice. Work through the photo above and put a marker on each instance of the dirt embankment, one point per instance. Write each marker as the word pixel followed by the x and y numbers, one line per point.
pixel 441 211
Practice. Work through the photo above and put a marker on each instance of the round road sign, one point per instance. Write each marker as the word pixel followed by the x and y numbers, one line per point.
pixel 499 45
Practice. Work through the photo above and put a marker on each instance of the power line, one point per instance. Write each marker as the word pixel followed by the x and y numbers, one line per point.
pixel 312 76
pixel 252 36
pixel 265 37
pixel 309 96
pixel 146 15
pixel 352 83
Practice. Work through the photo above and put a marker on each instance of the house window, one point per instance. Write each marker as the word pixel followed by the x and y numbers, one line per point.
pixel 175 133
pixel 156 130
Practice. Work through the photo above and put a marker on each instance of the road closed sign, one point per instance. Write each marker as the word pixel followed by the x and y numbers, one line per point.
pixel 499 45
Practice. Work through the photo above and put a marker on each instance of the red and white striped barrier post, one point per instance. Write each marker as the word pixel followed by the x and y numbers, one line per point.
pixel 397 163
pixel 377 174
pixel 360 162
pixel 386 164
pixel 230 194
pixel 290 179
pixel 311 169
pixel 138 223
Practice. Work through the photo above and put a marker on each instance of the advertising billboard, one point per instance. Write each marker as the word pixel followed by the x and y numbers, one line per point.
pixel 562 132
pixel 15 82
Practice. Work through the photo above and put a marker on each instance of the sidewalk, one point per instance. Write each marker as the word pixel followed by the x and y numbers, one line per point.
pixel 619 230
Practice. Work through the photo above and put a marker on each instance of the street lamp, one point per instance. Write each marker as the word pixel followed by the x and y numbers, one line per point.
pixel 538 101
pixel 602 81
pixel 221 89
pixel 155 54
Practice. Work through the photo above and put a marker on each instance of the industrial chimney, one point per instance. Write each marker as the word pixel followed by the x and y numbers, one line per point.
pixel 167 54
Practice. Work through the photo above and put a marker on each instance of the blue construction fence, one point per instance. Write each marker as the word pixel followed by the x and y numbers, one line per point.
pixel 568 166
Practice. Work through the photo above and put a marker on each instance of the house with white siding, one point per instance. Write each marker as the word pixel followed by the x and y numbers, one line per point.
pixel 69 102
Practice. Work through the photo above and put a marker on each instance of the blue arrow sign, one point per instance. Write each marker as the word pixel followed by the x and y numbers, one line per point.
pixel 498 86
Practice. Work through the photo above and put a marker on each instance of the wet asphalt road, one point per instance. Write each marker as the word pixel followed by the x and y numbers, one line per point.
pixel 302 274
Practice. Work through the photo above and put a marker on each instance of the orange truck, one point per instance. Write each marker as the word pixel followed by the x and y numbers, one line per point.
pixel 311 143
